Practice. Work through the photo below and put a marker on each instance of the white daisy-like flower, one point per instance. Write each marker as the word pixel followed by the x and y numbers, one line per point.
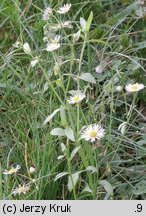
pixel 21 189
pixel 12 170
pixel 47 13
pixel 93 132
pixel 64 9
pixel 134 87
pixel 76 98
pixel 53 44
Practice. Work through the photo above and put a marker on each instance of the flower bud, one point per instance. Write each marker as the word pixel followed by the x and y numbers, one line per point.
pixel 26 48
pixel 119 88
pixel 99 69
pixel 31 169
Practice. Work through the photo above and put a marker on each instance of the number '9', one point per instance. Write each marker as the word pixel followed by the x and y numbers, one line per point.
pixel 139 208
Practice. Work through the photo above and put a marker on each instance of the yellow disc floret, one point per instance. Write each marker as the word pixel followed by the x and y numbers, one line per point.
pixel 11 170
pixel 134 88
pixel 92 133
pixel 54 41
pixel 76 98
pixel 21 190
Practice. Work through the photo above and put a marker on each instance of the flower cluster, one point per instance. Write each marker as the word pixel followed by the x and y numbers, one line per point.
pixel 131 87
pixel 21 189
pixel 92 132
pixel 48 12
pixel 53 40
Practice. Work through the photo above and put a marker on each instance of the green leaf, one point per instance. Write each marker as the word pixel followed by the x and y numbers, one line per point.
pixel 74 152
pixel 92 169
pixel 69 133
pixel 89 152
pixel 51 116
pixel 140 45
pixel 141 151
pixel 57 132
pixel 87 189
pixel 1 183
pixel 76 36
pixel 60 175
pixel 125 12
pixel 11 10
pixel 140 12
pixel 72 181
pixel 63 116
pixel 60 157
pixel 99 41
pixel 89 21
pixel 88 78
pixel 107 186
pixel 140 188
pixel 115 160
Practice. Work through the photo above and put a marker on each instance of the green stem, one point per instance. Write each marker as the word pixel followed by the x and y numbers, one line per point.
pixel 71 67
pixel 52 87
pixel 78 81
pixel 69 168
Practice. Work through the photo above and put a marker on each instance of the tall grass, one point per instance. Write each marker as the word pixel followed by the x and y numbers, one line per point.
pixel 67 167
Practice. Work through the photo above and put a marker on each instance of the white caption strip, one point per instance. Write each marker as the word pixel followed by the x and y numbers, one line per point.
pixel 73 208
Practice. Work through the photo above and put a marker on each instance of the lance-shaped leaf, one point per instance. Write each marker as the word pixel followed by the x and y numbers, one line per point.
pixel 72 181
pixel 57 132
pixel 88 78
pixel 69 133
pixel 51 116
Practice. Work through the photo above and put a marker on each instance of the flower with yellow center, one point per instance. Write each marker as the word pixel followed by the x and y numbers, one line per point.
pixel 12 170
pixel 53 44
pixel 54 41
pixel 93 132
pixel 134 87
pixel 76 98
pixel 21 189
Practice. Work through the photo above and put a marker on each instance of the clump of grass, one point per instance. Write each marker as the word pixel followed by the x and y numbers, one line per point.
pixel 72 100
